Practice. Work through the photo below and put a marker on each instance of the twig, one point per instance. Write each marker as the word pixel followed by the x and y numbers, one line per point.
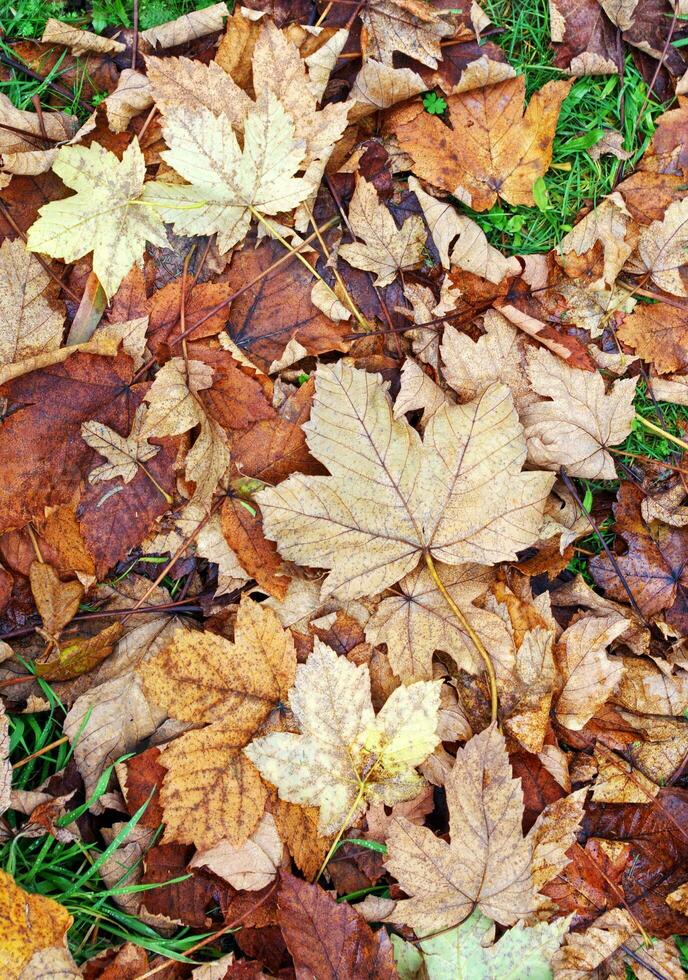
pixel 35 755
pixel 58 89
pixel 570 485
pixel 135 38
pixel 13 224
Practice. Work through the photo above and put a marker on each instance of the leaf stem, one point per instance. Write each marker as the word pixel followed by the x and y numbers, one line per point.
pixel 658 431
pixel 340 832
pixel 166 495
pixel 477 642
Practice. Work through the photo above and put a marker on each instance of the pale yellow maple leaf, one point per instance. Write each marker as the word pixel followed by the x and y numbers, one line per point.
pixel 486 865
pixel 589 676
pixel 580 420
pixel 385 249
pixel 470 249
pixel 123 454
pixel 346 757
pixel 29 321
pixel 229 185
pixel 106 216
pixel 211 790
pixel 184 84
pixel 409 26
pixel 459 495
pixel 663 248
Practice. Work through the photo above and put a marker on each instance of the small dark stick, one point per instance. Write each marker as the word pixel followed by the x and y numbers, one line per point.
pixel 135 39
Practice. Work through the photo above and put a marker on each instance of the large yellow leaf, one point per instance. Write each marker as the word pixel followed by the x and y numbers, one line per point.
pixel 211 790
pixel 227 185
pixel 345 757
pixel 487 864
pixel 30 923
pixel 106 216
pixel 459 495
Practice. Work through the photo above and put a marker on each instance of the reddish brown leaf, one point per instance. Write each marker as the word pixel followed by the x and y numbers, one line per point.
pixel 540 788
pixel 327 940
pixel 587 42
pixel 259 557
pixel 165 306
pixel 190 900
pixel 144 776
pixel 591 881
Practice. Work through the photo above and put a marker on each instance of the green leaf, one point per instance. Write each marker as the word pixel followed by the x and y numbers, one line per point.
pixel 540 194
pixel 434 103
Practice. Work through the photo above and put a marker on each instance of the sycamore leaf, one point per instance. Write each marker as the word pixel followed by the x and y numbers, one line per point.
pixel 589 676
pixel 211 790
pixel 79 42
pixel 57 601
pixel 188 27
pixel 618 781
pixel 182 85
pixel 659 333
pixel 574 428
pixel 227 185
pixel 583 952
pixel 487 863
pixel 106 216
pixel 509 148
pixel 29 322
pixel 385 249
pixel 122 454
pixel 379 86
pixel 251 866
pixel 607 224
pixel 470 367
pixel 459 494
pixel 470 249
pixel 663 247
pixel 132 95
pixel 344 756
pixel 552 834
pixel 30 923
pixel 409 26
pixel 469 951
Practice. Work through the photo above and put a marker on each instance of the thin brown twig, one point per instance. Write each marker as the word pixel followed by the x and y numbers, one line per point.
pixel 135 38
pixel 58 89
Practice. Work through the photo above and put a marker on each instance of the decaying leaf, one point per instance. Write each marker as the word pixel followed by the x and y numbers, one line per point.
pixel 122 455
pixel 31 924
pixel 80 42
pixel 57 601
pixel 487 863
pixel 589 675
pixel 29 321
pixel 407 496
pixel 408 26
pixel 345 757
pixel 252 865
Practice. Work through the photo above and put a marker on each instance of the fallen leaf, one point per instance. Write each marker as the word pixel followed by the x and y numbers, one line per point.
pixel 552 834
pixel 242 530
pixel 377 545
pixel 344 756
pixel 77 656
pixel 183 84
pixel 386 249
pixel 487 863
pixel 378 86
pixel 608 224
pixel 188 27
pixel 330 940
pixel 583 952
pixel 132 96
pixel 509 148
pixel 106 216
pixel 123 455
pixel 619 782
pixel 79 41
pixel 585 40
pixel 57 601
pixel 574 428
pixel 252 865
pixel 32 924
pixel 588 675
pixel 244 682
pixel 408 26
pixel 663 248
pixel 24 136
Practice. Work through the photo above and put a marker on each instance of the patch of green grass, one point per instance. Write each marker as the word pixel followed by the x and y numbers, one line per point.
pixel 594 105
pixel 68 872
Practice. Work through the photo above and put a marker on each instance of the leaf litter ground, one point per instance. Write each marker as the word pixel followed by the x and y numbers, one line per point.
pixel 343 541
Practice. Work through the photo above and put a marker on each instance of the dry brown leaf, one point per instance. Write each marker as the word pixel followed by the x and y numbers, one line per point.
pixel 187 28
pixel 663 248
pixel 406 496
pixel 609 224
pixel 418 391
pixel 385 249
pixel 659 333
pixel 509 148
pixel 298 828
pixel 31 923
pixel 583 952
pixel 487 863
pixel 77 656
pixel 132 95
pixel 620 782
pixel 123 455
pixel 379 86
pixel 252 865
pixel 211 790
pixel 57 602
pixel 235 49
pixel 588 675
pixel 30 320
pixel 470 367
pixel 346 757
pixel 646 688
pixel 22 139
pixel 408 26
pixel 574 428
pixel 179 84
pixel 78 41
pixel 552 834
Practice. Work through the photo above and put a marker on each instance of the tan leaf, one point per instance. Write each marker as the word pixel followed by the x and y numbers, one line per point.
pixel 179 84
pixel 589 676
pixel 487 863
pixel 252 865
pixel 5 765
pixel 132 95
pixel 385 249
pixel 103 345
pixel 607 224
pixel 583 952
pixel 345 757
pixel 418 391
pixel 408 26
pixel 678 899
pixel 212 791
pixel 105 216
pixel 406 496
pixel 298 828
pixel 620 12
pixel 379 86
pixel 31 923
pixel 574 428
pixel 29 321
pixel 187 28
pixel 509 149
pixel 22 136
pixel 327 302
pixel 659 333
pixel 79 655
pixel 470 367
pixel 123 455
pixel 552 835
pixel 235 49
pixel 620 782
pixel 57 602
pixel 647 689
pixel 470 249
pixel 663 247
pixel 78 41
